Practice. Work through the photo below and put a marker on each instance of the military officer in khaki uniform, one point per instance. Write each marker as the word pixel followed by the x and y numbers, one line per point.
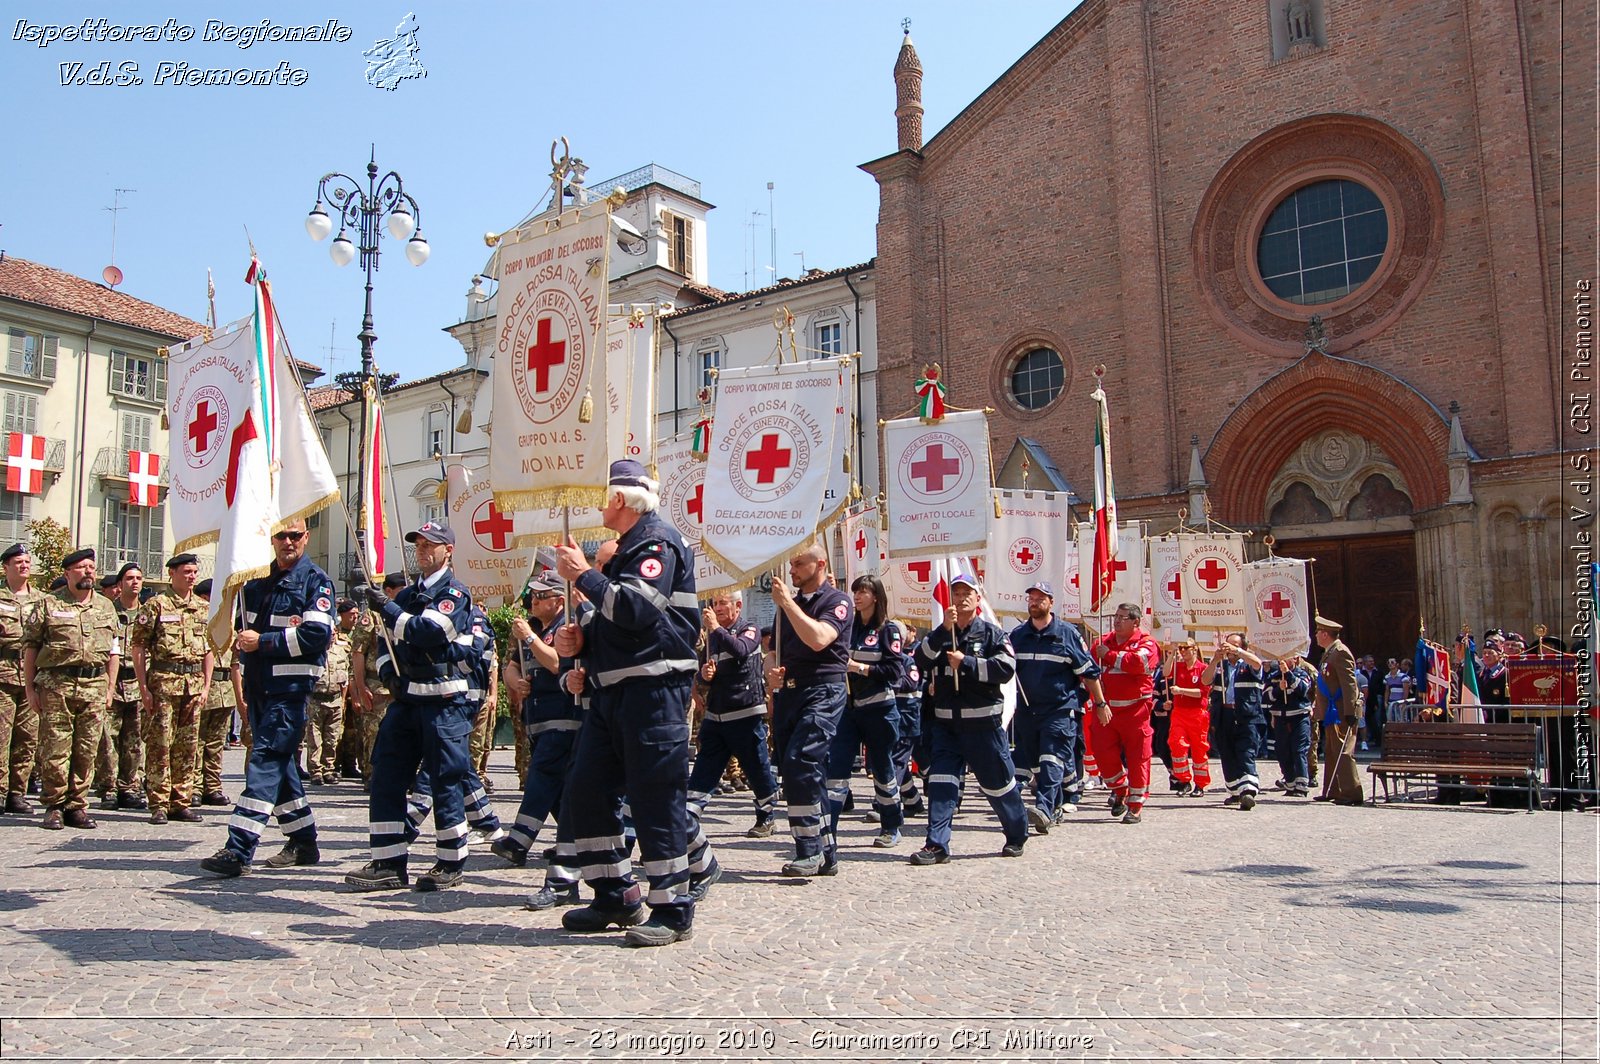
pixel 215 720
pixel 173 660
pixel 325 713
pixel 71 651
pixel 369 698
pixel 19 722
pixel 122 746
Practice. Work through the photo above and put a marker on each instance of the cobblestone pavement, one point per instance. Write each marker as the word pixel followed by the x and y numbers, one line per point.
pixel 1292 932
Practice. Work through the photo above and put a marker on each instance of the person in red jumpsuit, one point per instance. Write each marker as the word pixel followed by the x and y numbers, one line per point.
pixel 1119 730
pixel 1189 739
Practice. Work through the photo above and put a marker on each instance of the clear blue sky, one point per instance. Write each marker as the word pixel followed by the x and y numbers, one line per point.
pixel 733 94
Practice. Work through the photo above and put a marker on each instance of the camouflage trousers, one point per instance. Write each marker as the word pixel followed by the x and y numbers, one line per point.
pixel 482 738
pixel 19 737
pixel 364 723
pixel 519 742
pixel 69 742
pixel 121 750
pixel 324 726
pixel 171 742
pixel 214 725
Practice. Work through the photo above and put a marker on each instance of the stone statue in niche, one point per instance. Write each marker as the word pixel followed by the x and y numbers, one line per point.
pixel 1335 454
pixel 1298 14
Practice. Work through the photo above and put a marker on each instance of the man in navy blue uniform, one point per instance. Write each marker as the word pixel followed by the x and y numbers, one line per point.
pixel 1287 691
pixel 735 724
pixel 550 716
pixel 638 655
pixel 808 689
pixel 428 662
pixel 1234 676
pixel 283 638
pixel 908 697
pixel 1054 672
pixel 969 659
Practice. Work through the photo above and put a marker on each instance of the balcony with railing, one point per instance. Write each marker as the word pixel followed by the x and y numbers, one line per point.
pixel 111 556
pixel 55 456
pixel 649 174
pixel 111 463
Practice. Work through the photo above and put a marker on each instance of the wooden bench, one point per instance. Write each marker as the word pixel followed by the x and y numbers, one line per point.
pixel 1491 754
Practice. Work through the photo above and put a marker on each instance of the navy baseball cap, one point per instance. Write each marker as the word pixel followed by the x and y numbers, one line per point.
pixel 1042 587
pixel 433 532
pixel 626 473
pixel 964 578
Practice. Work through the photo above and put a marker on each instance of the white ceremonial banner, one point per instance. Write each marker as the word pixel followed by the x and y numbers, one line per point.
pixel 1213 582
pixel 1166 589
pixel 1278 620
pixel 1027 543
pixel 489 557
pixel 938 484
pixel 630 383
pixel 1127 571
pixel 1069 605
pixel 863 553
pixel 207 397
pixel 549 359
pixel 683 506
pixel 771 447
pixel 841 479
pixel 542 526
pixel 910 584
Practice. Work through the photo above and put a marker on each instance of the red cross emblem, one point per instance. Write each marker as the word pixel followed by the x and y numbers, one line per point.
pixel 922 571
pixel 1277 605
pixel 767 459
pixel 696 506
pixel 1024 556
pixel 861 544
pixel 934 468
pixel 1175 588
pixel 1212 573
pixel 205 420
pixel 492 528
pixel 544 355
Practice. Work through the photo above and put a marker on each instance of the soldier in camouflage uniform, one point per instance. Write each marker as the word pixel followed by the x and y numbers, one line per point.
pixel 483 726
pixel 369 698
pixel 325 714
pixel 173 659
pixel 122 747
pixel 215 720
pixel 19 722
pixel 71 648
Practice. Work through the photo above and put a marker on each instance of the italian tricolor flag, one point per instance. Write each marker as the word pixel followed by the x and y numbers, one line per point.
pixel 372 520
pixel 1105 506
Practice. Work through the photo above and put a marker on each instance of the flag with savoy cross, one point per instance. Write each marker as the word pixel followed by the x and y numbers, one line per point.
pixel 24 463
pixel 144 478
pixel 768 469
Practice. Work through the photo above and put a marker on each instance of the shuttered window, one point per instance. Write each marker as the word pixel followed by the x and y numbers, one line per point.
pixel 31 355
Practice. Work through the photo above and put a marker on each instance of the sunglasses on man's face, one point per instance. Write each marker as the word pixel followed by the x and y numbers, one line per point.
pixel 291 537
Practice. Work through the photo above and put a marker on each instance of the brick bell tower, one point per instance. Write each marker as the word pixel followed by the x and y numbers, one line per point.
pixel 908 94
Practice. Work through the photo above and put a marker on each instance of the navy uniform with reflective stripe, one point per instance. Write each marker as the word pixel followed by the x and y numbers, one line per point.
pixel 1238 724
pixel 735 723
pixel 479 813
pixel 640 656
pixel 806 712
pixel 966 727
pixel 293 613
pixel 871 718
pixel 551 717
pixel 1052 664
pixel 1288 697
pixel 908 699
pixel 430 671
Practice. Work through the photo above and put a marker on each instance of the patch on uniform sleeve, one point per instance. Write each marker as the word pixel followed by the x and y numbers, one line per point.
pixel 650 568
pixel 294 622
pixel 894 645
pixel 455 592
pixel 841 610
pixel 142 620
pixel 324 603
pixel 871 640
pixel 446 606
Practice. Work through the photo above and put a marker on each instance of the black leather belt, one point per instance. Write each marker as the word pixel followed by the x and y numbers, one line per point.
pixel 182 668
pixel 82 672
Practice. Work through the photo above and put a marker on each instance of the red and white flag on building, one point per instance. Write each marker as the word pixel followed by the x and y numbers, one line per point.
pixel 373 518
pixel 768 468
pixel 548 442
pixel 1026 545
pixel 1278 619
pixel 1103 551
pixel 25 463
pixel 144 478
pixel 938 485
pixel 1212 576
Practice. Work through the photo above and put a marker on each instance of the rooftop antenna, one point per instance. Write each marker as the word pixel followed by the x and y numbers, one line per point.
pixel 750 237
pixel 112 275
pixel 772 228
pixel 333 331
pixel 801 255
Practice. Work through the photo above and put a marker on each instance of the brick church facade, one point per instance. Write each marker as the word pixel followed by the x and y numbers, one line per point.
pixel 1320 248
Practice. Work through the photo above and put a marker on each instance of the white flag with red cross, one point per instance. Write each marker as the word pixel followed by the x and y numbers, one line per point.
pixel 548 443
pixel 144 478
pixel 1026 545
pixel 1166 589
pixel 490 557
pixel 1069 603
pixel 863 554
pixel 771 451
pixel 1278 620
pixel 25 463
pixel 1124 568
pixel 1211 573
pixel 683 504
pixel 937 485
